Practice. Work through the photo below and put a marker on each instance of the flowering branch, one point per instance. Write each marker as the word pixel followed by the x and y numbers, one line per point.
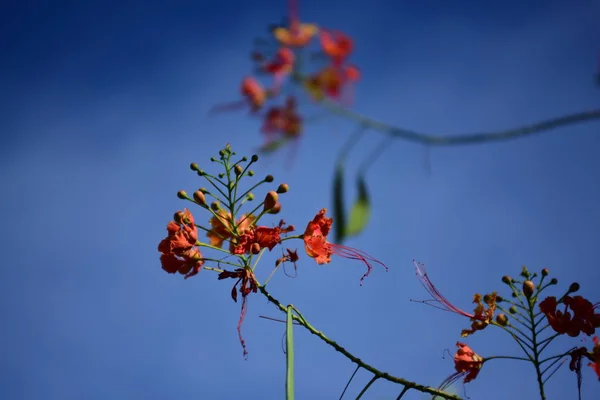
pixel 377 373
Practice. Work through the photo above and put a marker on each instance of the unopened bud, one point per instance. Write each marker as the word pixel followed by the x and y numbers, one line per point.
pixel 528 288
pixel 250 173
pixel 215 206
pixel 507 279
pixel 269 178
pixel 194 167
pixel 574 287
pixel 486 298
pixel 213 159
pixel 222 153
pixel 238 170
pixel 200 172
pixel 182 194
pixel 221 175
pixel 553 281
pixel 270 200
pixel 525 272
pixel 276 208
pixel 179 217
pixel 283 188
pixel 502 319
pixel 255 248
pixel 512 310
pixel 250 196
pixel 545 272
pixel 499 299
pixel 200 198
pixel 203 190
pixel 254 158
pixel 244 159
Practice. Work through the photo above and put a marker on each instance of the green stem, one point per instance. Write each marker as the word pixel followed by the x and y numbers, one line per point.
pixel 536 351
pixel 289 353
pixel 507 358
pixel 406 388
pixel 469 138
pixel 356 360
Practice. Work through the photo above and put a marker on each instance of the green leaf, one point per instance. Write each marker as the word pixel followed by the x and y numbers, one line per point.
pixel 361 210
pixel 289 351
pixel 339 217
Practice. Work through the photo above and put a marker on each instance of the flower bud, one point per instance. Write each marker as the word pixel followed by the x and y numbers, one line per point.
pixel 499 299
pixel 269 178
pixel 486 298
pixel 200 172
pixel 553 281
pixel 528 288
pixel 244 159
pixel 270 200
pixel 182 194
pixel 255 248
pixel 203 190
pixel 238 170
pixel 283 188
pixel 574 287
pixel 250 196
pixel 545 272
pixel 221 175
pixel 250 173
pixel 178 217
pixel 254 158
pixel 276 208
pixel 222 153
pixel 215 206
pixel 507 279
pixel 200 198
pixel 524 272
pixel 213 159
pixel 194 167
pixel 502 319
pixel 512 310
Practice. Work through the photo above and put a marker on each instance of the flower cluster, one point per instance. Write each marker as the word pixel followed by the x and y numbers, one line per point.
pixel 281 58
pixel 233 233
pixel 579 316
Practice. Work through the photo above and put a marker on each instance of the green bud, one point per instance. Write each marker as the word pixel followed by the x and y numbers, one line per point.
pixel 254 158
pixel 182 194
pixel 269 178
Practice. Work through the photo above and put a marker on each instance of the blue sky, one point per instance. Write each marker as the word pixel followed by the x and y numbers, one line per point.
pixel 104 105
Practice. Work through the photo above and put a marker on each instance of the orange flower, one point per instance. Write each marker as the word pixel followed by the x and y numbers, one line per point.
pixel 282 120
pixel 254 92
pixel 331 81
pixel 298 35
pixel 317 246
pixel 481 317
pixel 596 356
pixel 264 236
pixel 336 45
pixel 178 251
pixel 467 364
pixel 222 229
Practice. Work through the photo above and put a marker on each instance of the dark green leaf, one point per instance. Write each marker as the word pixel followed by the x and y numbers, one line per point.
pixel 339 218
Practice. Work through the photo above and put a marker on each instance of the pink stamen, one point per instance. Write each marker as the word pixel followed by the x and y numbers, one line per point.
pixel 355 254
pixel 437 296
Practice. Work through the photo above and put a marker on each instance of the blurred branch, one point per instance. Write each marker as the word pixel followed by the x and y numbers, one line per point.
pixel 468 138
pixel 377 373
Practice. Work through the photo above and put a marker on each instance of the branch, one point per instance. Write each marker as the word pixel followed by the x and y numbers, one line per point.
pixel 468 138
pixel 356 360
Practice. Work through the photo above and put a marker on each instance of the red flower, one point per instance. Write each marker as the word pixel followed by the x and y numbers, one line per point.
pixel 336 45
pixel 317 246
pixel 282 120
pixel 584 318
pixel 281 65
pixel 481 317
pixel 264 236
pixel 247 284
pixel 254 92
pixel 467 364
pixel 291 256
pixel 596 357
pixel 178 251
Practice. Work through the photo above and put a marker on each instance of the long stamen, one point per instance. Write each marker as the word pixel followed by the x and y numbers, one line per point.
pixel 437 296
pixel 355 254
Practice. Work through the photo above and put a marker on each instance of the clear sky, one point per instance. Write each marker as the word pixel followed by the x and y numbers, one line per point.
pixel 104 105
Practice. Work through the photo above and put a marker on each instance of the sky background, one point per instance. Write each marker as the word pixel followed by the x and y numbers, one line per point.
pixel 104 105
